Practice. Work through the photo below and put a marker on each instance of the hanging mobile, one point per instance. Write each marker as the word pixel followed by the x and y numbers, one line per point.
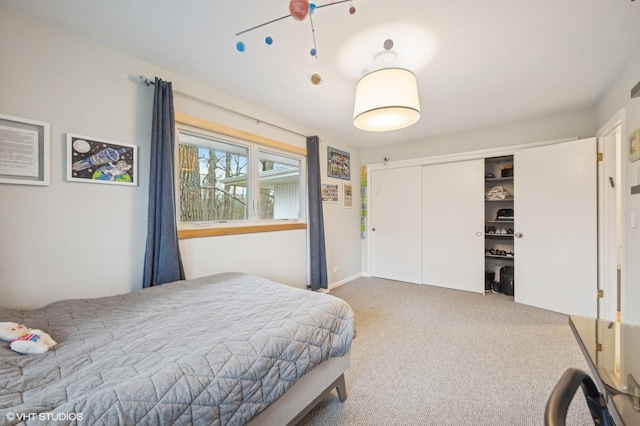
pixel 298 10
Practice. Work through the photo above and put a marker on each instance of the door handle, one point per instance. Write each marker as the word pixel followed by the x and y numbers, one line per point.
pixel 479 234
pixel 373 229
pixel 518 234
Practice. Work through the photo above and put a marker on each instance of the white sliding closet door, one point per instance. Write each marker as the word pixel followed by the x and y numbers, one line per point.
pixel 395 219
pixel 453 225
pixel 555 208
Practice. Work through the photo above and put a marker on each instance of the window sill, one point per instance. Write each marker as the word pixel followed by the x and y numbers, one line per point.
pixel 251 229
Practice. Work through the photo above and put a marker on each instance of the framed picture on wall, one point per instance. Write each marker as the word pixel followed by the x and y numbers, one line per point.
pixel 94 160
pixel 347 195
pixel 24 151
pixel 338 164
pixel 329 193
pixel 634 146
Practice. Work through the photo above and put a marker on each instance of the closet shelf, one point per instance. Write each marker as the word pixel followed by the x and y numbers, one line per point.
pixel 499 179
pixel 498 247
pixel 497 201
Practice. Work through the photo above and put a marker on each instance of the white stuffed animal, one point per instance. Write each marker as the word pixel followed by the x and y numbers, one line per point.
pixel 25 340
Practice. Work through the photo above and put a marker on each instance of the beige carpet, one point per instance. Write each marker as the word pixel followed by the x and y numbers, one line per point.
pixel 431 356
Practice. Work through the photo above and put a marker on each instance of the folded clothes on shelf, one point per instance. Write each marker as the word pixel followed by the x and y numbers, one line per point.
pixel 497 193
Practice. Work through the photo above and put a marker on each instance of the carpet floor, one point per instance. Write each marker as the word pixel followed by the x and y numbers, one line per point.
pixel 426 355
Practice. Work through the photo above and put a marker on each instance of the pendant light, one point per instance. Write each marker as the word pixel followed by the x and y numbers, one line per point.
pixel 385 100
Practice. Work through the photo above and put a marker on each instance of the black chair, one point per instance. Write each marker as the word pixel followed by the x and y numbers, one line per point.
pixel 555 413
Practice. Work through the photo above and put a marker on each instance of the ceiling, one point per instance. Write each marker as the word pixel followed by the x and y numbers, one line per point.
pixel 478 63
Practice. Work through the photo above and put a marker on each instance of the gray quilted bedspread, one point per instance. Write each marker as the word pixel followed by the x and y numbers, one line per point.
pixel 212 351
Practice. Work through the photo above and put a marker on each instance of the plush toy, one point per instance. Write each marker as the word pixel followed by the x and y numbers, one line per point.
pixel 25 340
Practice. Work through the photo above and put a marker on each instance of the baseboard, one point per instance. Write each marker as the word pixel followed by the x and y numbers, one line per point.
pixel 344 281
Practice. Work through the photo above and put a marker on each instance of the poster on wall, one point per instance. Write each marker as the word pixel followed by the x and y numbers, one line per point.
pixel 338 164
pixel 634 146
pixel 329 193
pixel 347 195
pixel 95 160
pixel 24 151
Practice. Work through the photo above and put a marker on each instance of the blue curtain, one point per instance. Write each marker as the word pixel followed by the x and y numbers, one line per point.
pixel 318 258
pixel 162 262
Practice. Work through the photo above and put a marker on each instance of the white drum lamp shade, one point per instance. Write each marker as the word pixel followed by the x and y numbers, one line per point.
pixel 386 99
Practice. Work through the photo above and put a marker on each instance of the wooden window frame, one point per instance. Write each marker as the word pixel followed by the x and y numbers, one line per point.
pixel 253 227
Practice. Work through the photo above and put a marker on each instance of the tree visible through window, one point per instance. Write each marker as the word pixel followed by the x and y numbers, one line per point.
pixel 215 182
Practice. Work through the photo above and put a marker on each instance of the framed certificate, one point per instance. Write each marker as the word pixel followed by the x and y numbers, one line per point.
pixel 24 151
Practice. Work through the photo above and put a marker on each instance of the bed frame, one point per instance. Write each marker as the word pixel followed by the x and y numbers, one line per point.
pixel 303 396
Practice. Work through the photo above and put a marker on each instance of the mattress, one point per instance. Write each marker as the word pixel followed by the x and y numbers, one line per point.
pixel 215 350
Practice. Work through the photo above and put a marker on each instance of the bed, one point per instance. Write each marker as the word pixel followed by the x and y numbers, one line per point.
pixel 227 349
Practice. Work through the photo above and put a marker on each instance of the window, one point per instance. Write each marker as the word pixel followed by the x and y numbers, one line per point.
pixel 212 180
pixel 279 179
pixel 224 181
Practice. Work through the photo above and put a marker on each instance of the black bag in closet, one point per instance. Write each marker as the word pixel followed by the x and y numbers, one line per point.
pixel 506 280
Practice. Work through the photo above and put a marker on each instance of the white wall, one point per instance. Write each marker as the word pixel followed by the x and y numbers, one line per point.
pixel 69 239
pixel 559 126
pixel 342 225
pixel 618 97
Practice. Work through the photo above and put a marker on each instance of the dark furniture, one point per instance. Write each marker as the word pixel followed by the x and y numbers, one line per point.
pixel 556 410
pixel 612 351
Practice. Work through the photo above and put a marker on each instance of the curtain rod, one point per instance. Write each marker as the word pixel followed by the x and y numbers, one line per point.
pixel 149 82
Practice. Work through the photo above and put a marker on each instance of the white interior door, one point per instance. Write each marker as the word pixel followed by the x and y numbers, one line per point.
pixel 453 225
pixel 395 219
pixel 555 208
pixel 609 219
